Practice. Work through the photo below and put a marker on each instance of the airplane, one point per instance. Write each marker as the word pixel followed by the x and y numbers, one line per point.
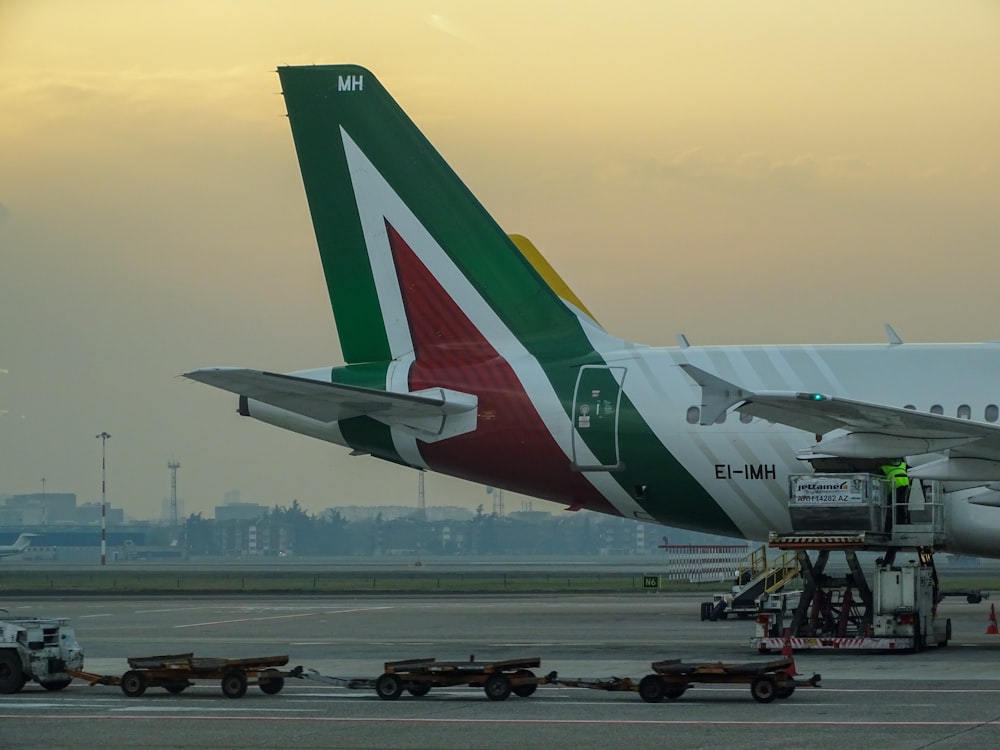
pixel 20 545
pixel 466 354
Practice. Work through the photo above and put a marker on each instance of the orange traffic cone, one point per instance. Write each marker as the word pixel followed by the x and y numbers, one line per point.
pixel 786 652
pixel 991 629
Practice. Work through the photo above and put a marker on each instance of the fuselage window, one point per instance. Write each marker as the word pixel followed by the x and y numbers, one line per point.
pixel 721 418
pixel 911 407
pixel 746 418
pixel 937 409
pixel 991 412
pixel 964 411
pixel 693 415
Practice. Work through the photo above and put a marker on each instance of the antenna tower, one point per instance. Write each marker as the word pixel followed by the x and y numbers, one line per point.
pixel 173 466
pixel 421 499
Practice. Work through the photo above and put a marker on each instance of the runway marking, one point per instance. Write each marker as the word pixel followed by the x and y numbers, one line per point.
pixel 244 619
pixel 279 617
pixel 220 710
pixel 85 617
pixel 524 722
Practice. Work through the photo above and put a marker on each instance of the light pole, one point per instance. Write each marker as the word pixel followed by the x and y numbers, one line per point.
pixel 103 437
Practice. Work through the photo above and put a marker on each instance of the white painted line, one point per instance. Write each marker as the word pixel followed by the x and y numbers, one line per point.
pixel 280 617
pixel 511 722
pixel 245 619
pixel 206 710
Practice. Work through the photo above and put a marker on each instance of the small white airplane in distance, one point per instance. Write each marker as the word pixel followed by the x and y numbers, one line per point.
pixel 466 354
pixel 22 543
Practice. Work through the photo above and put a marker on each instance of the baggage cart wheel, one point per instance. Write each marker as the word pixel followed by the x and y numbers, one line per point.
pixel 497 687
pixel 529 688
pixel 234 684
pixel 133 683
pixel 651 688
pixel 389 687
pixel 270 681
pixel 673 692
pixel 419 690
pixel 763 689
pixel 54 685
pixel 12 677
pixel 784 691
pixel 175 687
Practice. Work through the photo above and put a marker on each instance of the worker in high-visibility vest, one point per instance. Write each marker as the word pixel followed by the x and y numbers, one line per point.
pixel 899 486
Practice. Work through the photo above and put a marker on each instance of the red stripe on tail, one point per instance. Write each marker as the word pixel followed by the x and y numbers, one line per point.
pixel 511 447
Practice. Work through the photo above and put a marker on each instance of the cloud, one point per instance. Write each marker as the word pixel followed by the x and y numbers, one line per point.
pixel 755 167
pixel 696 166
pixel 442 24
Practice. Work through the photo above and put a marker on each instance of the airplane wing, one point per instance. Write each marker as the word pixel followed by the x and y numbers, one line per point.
pixel 972 449
pixel 431 413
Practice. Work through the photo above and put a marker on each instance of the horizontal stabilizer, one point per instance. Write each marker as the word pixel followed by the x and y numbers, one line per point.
pixel 426 412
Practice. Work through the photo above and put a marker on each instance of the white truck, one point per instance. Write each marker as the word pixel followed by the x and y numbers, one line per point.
pixel 33 648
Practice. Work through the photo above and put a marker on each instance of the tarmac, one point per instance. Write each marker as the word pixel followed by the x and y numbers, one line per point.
pixel 939 698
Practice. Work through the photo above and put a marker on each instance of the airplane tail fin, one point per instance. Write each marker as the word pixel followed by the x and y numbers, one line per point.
pixel 411 258
pixel 23 542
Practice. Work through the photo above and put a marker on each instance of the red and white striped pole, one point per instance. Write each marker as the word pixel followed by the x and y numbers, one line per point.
pixel 103 437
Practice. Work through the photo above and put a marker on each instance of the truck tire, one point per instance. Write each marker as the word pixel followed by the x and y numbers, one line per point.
pixel 12 677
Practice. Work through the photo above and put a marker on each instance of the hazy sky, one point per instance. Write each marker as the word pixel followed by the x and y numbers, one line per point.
pixel 776 171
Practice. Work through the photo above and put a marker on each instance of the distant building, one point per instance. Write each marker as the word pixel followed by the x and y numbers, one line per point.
pixel 242 537
pixel 239 511
pixel 90 513
pixel 394 512
pixel 36 508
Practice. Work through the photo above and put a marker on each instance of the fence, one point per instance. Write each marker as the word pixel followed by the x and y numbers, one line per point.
pixel 703 563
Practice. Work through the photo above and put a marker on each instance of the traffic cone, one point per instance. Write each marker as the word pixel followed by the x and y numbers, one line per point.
pixel 786 653
pixel 991 629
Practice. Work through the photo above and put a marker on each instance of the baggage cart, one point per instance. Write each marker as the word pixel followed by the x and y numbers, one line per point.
pixel 176 672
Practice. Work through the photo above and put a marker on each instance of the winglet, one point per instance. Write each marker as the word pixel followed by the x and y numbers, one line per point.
pixel 717 395
pixel 894 339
